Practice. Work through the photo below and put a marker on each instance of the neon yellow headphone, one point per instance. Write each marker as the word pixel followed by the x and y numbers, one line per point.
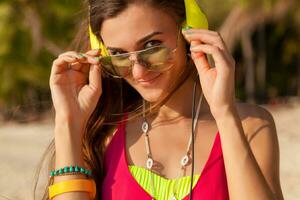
pixel 195 18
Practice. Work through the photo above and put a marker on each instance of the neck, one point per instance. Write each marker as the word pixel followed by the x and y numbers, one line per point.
pixel 179 106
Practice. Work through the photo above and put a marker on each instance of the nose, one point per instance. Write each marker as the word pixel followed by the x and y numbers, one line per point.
pixel 138 70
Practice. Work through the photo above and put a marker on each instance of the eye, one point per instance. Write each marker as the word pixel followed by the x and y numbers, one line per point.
pixel 115 52
pixel 152 43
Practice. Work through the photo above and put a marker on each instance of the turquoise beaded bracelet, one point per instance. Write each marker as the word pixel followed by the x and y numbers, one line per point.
pixel 70 169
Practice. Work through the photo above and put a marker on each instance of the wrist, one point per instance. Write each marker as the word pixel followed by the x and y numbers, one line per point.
pixel 68 131
pixel 68 146
pixel 68 155
pixel 223 112
pixel 72 121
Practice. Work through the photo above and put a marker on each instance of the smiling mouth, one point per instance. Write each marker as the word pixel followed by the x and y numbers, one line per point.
pixel 148 81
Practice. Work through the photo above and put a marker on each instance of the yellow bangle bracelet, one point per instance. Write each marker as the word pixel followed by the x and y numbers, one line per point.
pixel 83 185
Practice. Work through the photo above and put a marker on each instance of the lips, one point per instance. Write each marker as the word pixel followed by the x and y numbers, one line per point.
pixel 148 81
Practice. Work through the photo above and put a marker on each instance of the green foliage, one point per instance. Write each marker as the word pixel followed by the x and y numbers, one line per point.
pixel 26 28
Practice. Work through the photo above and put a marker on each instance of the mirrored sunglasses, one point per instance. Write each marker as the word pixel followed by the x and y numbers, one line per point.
pixel 157 58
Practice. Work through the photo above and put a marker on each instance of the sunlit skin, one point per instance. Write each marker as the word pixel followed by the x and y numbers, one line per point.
pixel 248 135
pixel 126 41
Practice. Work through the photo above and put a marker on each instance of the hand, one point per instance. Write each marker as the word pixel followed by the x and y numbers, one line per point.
pixel 217 82
pixel 75 84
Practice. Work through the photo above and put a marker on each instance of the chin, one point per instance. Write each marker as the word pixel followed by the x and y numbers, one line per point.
pixel 150 92
pixel 151 96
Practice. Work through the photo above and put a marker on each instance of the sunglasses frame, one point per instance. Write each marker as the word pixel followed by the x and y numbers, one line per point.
pixel 106 71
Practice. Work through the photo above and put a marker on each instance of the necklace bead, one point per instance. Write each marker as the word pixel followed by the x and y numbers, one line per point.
pixel 184 161
pixel 149 163
pixel 145 127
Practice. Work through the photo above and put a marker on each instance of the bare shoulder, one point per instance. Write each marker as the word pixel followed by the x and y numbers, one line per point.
pixel 253 111
pixel 255 119
pixel 260 130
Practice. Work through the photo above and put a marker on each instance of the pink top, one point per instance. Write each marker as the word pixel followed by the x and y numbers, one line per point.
pixel 119 184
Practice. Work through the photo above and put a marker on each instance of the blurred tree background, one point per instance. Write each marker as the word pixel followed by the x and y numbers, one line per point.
pixel 263 36
pixel 32 34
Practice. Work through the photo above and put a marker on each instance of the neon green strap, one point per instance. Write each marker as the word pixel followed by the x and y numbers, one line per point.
pixel 164 188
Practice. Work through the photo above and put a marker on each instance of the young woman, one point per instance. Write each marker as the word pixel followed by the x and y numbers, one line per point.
pixel 130 117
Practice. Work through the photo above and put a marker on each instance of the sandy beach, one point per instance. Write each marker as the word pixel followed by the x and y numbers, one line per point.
pixel 21 147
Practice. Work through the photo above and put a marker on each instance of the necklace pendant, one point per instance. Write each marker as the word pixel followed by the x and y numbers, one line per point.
pixel 145 127
pixel 149 163
pixel 184 161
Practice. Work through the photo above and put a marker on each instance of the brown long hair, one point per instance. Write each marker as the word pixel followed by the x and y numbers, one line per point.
pixel 117 95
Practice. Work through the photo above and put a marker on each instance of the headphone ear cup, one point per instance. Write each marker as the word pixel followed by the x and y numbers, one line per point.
pixel 96 44
pixel 195 17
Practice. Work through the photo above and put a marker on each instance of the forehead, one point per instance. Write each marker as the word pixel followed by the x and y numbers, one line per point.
pixel 134 23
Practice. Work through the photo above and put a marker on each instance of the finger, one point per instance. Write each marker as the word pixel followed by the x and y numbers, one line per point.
pixel 85 68
pixel 73 54
pixel 92 60
pixel 200 30
pixel 95 79
pixel 205 37
pixel 74 65
pixel 87 59
pixel 84 65
pixel 84 58
pixel 220 60
pixel 209 37
pixel 200 59
pixel 62 64
pixel 80 67
pixel 95 52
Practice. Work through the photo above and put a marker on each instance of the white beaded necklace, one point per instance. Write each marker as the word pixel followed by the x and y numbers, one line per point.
pixel 184 160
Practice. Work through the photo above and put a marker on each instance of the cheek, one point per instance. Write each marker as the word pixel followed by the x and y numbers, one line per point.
pixel 180 62
pixel 164 83
pixel 153 92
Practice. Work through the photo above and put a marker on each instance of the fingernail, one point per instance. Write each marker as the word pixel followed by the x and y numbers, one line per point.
pixel 96 50
pixel 96 58
pixel 186 28
pixel 188 32
pixel 195 48
pixel 81 55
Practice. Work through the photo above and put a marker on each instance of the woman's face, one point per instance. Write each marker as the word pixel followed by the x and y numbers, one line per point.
pixel 140 27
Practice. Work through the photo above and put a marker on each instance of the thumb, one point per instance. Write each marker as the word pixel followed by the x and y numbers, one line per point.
pixel 95 79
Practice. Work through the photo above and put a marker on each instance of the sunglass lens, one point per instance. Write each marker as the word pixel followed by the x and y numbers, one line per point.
pixel 156 58
pixel 117 66
pixel 122 65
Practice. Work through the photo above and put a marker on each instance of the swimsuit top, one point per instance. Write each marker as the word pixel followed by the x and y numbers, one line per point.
pixel 162 188
pixel 120 181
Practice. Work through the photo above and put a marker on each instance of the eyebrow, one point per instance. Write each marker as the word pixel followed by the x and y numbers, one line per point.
pixel 142 40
